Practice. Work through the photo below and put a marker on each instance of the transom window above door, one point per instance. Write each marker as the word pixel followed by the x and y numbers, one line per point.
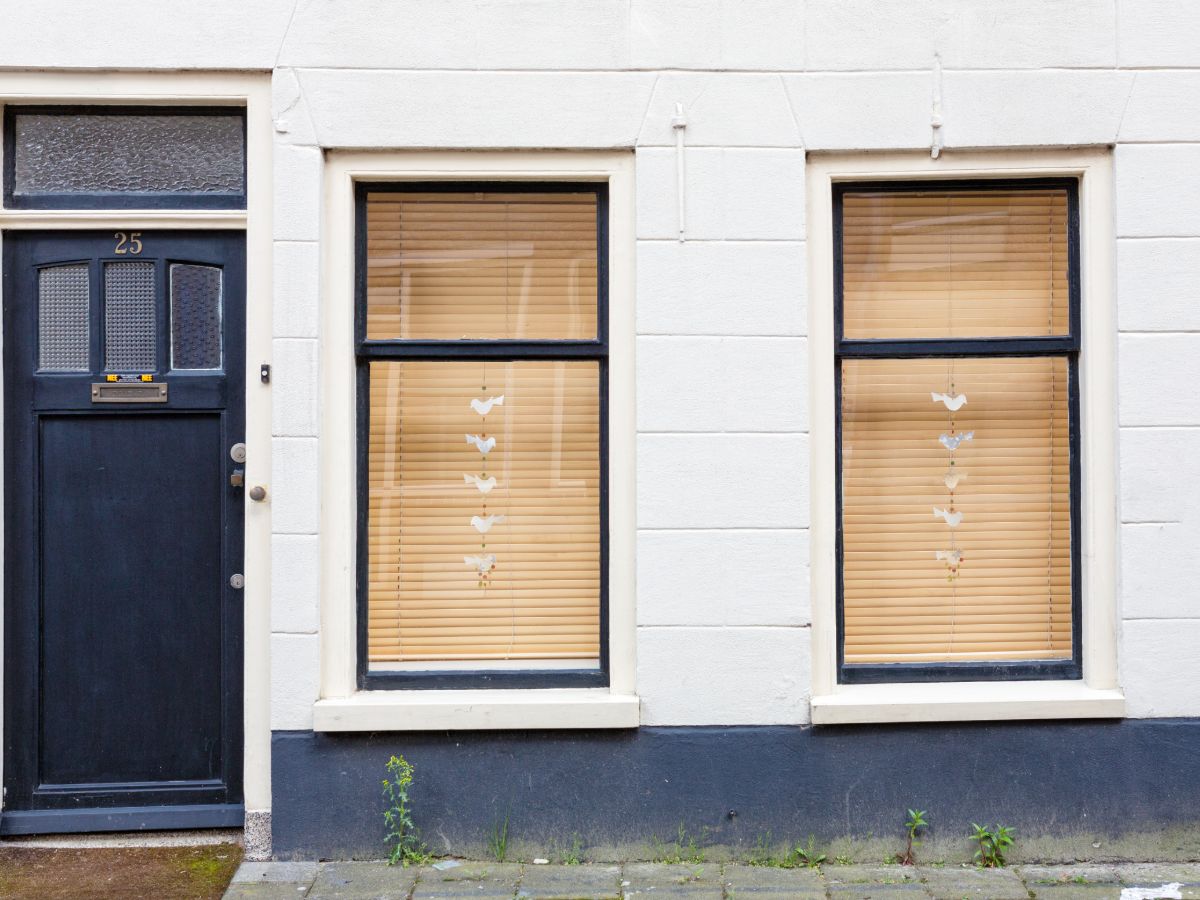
pixel 482 371
pixel 124 157
pixel 957 342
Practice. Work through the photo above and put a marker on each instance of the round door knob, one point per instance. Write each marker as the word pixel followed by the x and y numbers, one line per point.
pixel 258 493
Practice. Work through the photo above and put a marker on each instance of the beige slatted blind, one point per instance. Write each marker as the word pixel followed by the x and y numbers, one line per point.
pixel 947 264
pixel 529 586
pixel 1009 597
pixel 481 265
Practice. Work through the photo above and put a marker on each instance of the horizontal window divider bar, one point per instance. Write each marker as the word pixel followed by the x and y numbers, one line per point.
pixel 1056 346
pixel 475 350
pixel 959 184
pixel 484 678
pixel 885 673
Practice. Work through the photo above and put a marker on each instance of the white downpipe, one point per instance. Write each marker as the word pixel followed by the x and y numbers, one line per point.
pixel 679 123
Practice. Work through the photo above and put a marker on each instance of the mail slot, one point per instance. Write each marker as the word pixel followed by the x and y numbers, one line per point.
pixel 131 392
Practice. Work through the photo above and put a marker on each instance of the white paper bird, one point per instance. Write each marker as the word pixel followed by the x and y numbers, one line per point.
pixel 483 407
pixel 951 441
pixel 952 518
pixel 484 484
pixel 484 447
pixel 954 404
pixel 952 479
pixel 481 564
pixel 954 557
pixel 484 525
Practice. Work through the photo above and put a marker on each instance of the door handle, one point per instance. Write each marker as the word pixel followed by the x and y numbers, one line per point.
pixel 237 478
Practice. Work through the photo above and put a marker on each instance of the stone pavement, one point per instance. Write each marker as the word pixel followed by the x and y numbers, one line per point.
pixel 711 881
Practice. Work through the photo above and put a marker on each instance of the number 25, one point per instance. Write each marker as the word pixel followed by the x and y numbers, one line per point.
pixel 128 243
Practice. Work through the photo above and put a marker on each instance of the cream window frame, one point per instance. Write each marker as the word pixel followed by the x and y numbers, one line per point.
pixel 341 706
pixel 1097 694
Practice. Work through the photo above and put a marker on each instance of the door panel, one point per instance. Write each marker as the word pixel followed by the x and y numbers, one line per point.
pixel 122 631
pixel 131 554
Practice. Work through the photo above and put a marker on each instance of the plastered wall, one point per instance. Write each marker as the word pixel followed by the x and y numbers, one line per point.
pixel 722 603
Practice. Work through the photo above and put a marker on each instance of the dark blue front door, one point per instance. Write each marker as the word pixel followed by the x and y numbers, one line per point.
pixel 123 390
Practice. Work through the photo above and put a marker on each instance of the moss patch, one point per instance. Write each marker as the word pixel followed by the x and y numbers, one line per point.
pixel 170 873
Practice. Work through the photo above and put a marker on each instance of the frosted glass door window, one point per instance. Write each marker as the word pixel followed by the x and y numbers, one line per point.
pixel 130 329
pixel 195 317
pixel 125 157
pixel 64 330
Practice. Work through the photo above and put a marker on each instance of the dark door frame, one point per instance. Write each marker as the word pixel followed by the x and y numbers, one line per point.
pixel 61 811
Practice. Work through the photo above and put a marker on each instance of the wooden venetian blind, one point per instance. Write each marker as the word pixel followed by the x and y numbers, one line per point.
pixel 479 555
pixel 989 576
pixel 956 470
pixel 946 264
pixel 517 265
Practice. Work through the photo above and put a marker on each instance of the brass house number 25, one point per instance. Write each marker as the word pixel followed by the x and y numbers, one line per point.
pixel 128 243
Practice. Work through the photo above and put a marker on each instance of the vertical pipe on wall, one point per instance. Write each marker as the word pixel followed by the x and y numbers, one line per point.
pixel 679 123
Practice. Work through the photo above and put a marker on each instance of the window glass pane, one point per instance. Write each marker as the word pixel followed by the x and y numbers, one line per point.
pixel 484 521
pixel 164 153
pixel 64 329
pixel 946 263
pixel 481 265
pixel 195 317
pixel 130 330
pixel 956 510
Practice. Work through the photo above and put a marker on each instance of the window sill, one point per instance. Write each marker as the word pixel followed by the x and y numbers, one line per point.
pixel 476 709
pixel 966 702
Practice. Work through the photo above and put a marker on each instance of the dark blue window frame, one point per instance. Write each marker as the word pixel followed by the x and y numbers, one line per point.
pixel 367 351
pixel 1062 346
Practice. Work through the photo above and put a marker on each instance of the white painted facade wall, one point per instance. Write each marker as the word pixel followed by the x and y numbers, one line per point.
pixel 722 360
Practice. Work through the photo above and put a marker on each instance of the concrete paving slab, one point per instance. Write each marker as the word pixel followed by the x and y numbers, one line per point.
pixel 266 890
pixel 698 881
pixel 796 884
pixel 275 873
pixel 1076 891
pixel 363 881
pixel 957 882
pixel 570 883
pixel 484 881
pixel 867 891
pixel 870 874
pixel 1154 874
pixel 1088 873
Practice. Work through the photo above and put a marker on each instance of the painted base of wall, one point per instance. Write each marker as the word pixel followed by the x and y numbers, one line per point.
pixel 728 786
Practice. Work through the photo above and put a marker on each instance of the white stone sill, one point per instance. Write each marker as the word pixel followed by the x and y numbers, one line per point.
pixel 966 702
pixel 476 709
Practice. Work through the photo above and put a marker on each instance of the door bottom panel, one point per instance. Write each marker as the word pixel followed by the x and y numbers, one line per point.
pixel 123 818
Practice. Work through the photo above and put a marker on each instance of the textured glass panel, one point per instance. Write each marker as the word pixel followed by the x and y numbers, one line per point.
pixel 64 331
pixel 129 326
pixel 195 317
pixel 114 154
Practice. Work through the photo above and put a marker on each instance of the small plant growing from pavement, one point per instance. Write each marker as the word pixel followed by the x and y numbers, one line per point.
pixel 402 834
pixel 915 822
pixel 683 849
pixel 993 845
pixel 497 840
pixel 807 855
pixel 573 855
